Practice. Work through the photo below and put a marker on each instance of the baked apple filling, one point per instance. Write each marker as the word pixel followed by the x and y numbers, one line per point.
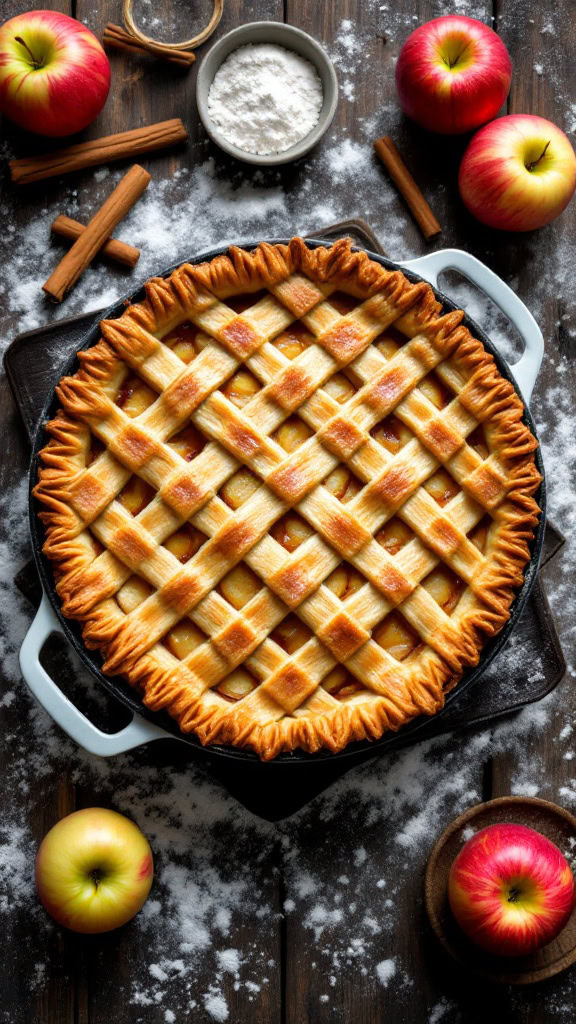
pixel 392 434
pixel 186 341
pixel 340 388
pixel 442 487
pixel 395 635
pixel 241 388
pixel 185 542
pixel 293 340
pixel 291 634
pixel 394 535
pixel 445 587
pixel 477 440
pixel 188 442
pixel 435 391
pixel 341 683
pixel 95 449
pixel 344 581
pixel 135 495
pixel 239 488
pixel 134 396
pixel 291 531
pixel 238 684
pixel 390 341
pixel 342 483
pixel 184 638
pixel 239 586
pixel 479 533
pixel 292 433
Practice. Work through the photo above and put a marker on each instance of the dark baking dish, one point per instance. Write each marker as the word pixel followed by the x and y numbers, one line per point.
pixel 121 689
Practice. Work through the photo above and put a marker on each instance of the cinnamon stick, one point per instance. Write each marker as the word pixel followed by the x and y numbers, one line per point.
pixel 98 151
pixel 115 250
pixel 97 232
pixel 419 208
pixel 117 37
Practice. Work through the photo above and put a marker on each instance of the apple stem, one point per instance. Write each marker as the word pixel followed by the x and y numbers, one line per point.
pixel 452 63
pixel 530 167
pixel 514 894
pixel 96 876
pixel 37 63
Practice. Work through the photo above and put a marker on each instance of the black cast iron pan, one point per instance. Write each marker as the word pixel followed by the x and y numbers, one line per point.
pixel 121 690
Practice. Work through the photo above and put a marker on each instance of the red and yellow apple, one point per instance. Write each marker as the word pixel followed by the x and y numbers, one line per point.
pixel 518 173
pixel 510 889
pixel 54 74
pixel 94 870
pixel 453 74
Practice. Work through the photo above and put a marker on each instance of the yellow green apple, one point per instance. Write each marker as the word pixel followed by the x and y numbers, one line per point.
pixel 94 870
pixel 510 889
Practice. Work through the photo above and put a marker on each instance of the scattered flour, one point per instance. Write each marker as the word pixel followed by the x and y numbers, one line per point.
pixel 216 1006
pixel 229 960
pixel 385 970
pixel 440 1010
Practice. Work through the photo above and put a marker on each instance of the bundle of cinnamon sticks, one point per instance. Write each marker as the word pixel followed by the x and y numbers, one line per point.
pixel 96 236
pixel 117 38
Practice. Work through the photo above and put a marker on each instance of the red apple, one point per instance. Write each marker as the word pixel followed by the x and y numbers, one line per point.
pixel 453 74
pixel 94 870
pixel 54 75
pixel 510 889
pixel 518 173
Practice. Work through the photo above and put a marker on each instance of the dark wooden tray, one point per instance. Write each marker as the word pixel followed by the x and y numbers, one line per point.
pixel 33 365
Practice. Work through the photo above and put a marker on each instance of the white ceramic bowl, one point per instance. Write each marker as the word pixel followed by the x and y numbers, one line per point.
pixel 291 39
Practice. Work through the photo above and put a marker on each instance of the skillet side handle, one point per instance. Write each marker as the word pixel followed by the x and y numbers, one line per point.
pixel 62 710
pixel 525 371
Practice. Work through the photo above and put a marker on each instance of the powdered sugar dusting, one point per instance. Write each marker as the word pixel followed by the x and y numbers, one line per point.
pixel 385 970
pixel 264 98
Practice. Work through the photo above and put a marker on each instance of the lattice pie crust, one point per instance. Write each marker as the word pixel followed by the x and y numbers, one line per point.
pixel 288 499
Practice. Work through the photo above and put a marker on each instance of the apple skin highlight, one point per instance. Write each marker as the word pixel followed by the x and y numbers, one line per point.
pixel 69 90
pixel 511 890
pixel 94 870
pixel 453 74
pixel 495 180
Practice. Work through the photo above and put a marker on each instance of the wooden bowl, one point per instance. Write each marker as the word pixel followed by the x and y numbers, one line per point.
pixel 552 821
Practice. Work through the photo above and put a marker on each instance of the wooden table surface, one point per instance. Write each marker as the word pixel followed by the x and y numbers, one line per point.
pixel 50 977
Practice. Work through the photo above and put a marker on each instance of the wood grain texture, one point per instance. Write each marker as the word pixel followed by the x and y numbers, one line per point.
pixel 88 981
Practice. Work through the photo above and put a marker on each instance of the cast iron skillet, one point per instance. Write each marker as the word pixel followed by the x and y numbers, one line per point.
pixel 121 690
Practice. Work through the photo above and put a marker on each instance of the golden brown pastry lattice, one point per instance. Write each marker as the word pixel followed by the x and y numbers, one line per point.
pixel 288 498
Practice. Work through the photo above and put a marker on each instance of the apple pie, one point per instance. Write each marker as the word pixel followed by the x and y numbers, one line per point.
pixel 288 497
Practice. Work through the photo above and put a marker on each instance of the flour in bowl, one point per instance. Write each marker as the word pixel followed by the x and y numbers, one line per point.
pixel 265 98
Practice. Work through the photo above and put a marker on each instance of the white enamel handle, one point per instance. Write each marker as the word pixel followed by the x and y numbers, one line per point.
pixel 526 369
pixel 62 710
